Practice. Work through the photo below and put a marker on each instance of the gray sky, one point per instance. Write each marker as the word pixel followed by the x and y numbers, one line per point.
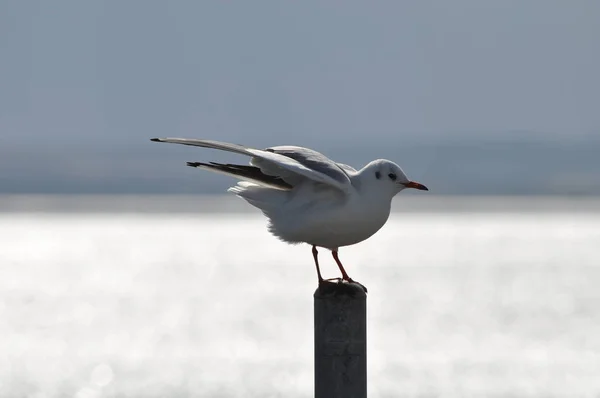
pixel 79 78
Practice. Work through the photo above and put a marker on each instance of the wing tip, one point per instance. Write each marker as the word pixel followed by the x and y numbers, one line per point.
pixel 193 164
pixel 157 139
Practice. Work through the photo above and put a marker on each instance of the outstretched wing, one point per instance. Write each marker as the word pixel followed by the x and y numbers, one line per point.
pixel 290 164
pixel 245 173
pixel 349 170
pixel 313 160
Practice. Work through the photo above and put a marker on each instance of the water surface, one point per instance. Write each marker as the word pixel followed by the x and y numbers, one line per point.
pixel 494 298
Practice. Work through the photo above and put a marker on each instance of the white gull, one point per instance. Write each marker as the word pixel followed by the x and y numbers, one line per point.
pixel 309 198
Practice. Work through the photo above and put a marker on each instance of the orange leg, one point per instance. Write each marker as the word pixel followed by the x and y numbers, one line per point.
pixel 345 276
pixel 315 254
pixel 341 267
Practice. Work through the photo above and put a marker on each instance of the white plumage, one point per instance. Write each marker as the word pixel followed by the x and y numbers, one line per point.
pixel 309 198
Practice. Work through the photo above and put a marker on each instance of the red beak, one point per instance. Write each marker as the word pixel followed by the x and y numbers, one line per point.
pixel 415 185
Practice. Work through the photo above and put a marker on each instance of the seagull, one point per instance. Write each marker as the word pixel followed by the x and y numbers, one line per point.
pixel 309 198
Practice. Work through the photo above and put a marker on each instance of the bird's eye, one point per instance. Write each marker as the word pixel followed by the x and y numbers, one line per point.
pixel 377 175
pixel 392 176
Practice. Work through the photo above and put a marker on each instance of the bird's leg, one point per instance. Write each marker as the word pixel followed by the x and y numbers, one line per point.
pixel 341 267
pixel 315 254
pixel 345 276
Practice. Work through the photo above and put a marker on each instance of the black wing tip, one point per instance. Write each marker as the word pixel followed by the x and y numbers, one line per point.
pixel 156 139
pixel 193 164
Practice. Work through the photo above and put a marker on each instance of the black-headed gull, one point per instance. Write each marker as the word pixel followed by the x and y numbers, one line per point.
pixel 309 198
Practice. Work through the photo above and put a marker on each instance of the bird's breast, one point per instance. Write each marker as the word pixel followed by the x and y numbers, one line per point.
pixel 348 224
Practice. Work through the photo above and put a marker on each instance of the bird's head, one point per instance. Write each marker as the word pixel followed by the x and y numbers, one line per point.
pixel 385 175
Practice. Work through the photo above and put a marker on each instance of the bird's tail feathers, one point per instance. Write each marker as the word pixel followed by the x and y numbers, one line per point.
pixel 264 198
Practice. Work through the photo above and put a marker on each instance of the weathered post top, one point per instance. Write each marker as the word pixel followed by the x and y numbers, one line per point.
pixel 340 340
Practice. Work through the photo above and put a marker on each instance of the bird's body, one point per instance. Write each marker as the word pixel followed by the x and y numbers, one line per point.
pixel 307 197
pixel 313 214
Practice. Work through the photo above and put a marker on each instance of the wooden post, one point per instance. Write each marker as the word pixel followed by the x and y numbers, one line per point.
pixel 340 341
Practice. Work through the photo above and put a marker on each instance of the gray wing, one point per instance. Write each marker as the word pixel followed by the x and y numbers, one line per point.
pixel 349 170
pixel 296 165
pixel 315 161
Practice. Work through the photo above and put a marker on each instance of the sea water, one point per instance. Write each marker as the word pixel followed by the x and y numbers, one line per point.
pixel 193 298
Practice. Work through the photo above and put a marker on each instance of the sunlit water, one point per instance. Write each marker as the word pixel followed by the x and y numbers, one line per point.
pixel 93 304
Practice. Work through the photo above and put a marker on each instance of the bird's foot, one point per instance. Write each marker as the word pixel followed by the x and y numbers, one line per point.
pixel 341 280
pixel 350 280
pixel 329 282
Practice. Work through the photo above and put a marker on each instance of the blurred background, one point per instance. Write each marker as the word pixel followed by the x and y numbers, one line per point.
pixel 437 87
pixel 125 273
